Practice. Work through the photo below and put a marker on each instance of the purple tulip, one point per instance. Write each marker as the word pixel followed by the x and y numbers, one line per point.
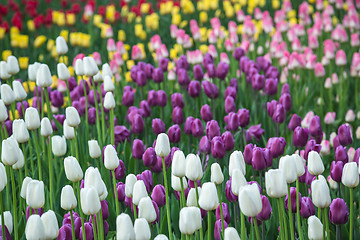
pixel 183 77
pixel 158 195
pixel 293 200
pixel 39 211
pixel 158 126
pixel 211 70
pixel 163 64
pixel 232 122
pixel 145 107
pixel 285 100
pixel 149 70
pixel 294 122
pixel 210 89
pixel 57 98
pixel 244 117
pixel 204 145
pixel 197 128
pixel 276 145
pixel 120 187
pixel 238 53
pixel 263 63
pixel 147 178
pixel 230 104
pixel 336 170
pixel 266 210
pixel 187 125
pixel 228 139
pixel 217 147
pixel 300 137
pixel 198 72
pixel 120 170
pixel 357 156
pixel 222 70
pixel 212 129
pixel 345 135
pixel 20 109
pixel 341 154
pixel 152 98
pixel 177 116
pixel 138 149
pixel 121 134
pixel 91 97
pixel 194 89
pixel 226 212
pixel 258 82
pixel 336 142
pixel 230 91
pixel 259 161
pixel 137 124
pixel 338 213
pixel 161 98
pixel 177 100
pixel 218 229
pixel 158 75
pixel 174 133
pixel 315 127
pixel 128 98
pixel 158 166
pixel 88 231
pixel 182 62
pixel 205 113
pixel 140 78
pixel 229 194
pixel 279 114
pixel 248 153
pixel 91 116
pixel 254 131
pixel 285 89
pixel 311 146
pixel 157 211
pixel 208 59
pixel 149 157
pixel 307 208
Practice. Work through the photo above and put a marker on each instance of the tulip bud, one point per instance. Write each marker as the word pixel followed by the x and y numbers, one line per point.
pixel 338 213
pixel 275 183
pixel 63 72
pixel 93 179
pixel 12 65
pixel 208 199
pixel 51 225
pixel 139 191
pixel 147 210
pixel 3 112
pixel 190 220
pixel 90 202
pixel 162 147
pixel 141 228
pixel 336 170
pixel 178 166
pixel 111 160
pixel 94 149
pixel 350 175
pixel 72 117
pixel 20 131
pixel 19 91
pixel 4 73
pixel 176 184
pixel 124 227
pixel 109 101
pixel 23 186
pixel 230 233
pixel 108 84
pixel 161 237
pixel 32 118
pixel 217 176
pixel 8 222
pixel 58 145
pixel 43 76
pixel 10 151
pixel 98 77
pixel 193 170
pixel 61 46
pixel 129 185
pixel 69 132
pixel 307 208
pixel 158 195
pixel 345 135
pixel 191 200
pixel 237 162
pixel 73 170
pixel 250 200
pixel 315 228
pixel 35 228
pixel 320 193
pixel 46 129
pixel 68 200
pixel 315 164
pixel 21 161
pixel 237 181
pixel 90 66
pixel 35 196
pixel 299 164
pixel 3 177
pixel 7 94
pixel 288 166
pixel 79 67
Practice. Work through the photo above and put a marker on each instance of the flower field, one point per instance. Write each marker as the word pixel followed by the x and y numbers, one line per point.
pixel 180 119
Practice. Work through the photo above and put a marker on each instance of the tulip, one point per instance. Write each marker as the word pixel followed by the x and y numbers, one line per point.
pixel 350 175
pixel 315 164
pixel 46 128
pixel 217 147
pixel 174 133
pixel 10 151
pixel 19 91
pixel 2 177
pixel 295 121
pixel 146 209
pixel 69 132
pixel 32 118
pixel 193 167
pixel 176 183
pixel 8 222
pixel 3 111
pixel 275 183
pixel 266 209
pixel 158 195
pixel 205 113
pixel 315 228
pixel 250 200
pixel 161 237
pixel 63 72
pixel 236 161
pixel 21 162
pixel 237 181
pixel 208 199
pixel 124 227
pixel 94 149
pixel 204 145
pixel 35 196
pixel 217 176
pixel 93 179
pixel 90 202
pixel 111 160
pixel 108 84
pixel 129 185
pixel 12 65
pixel 43 76
pixel 58 145
pixel 231 234
pixel 190 220
pixel 23 186
pixel 90 66
pixel 218 229
pixel 35 228
pixel 4 73
pixel 178 164
pixel 32 70
pixel 51 225
pixel 138 149
pixel 109 101
pixel 72 117
pixel 339 212
pixel 73 170
pixel 307 207
pixel 300 137
pixel 20 131
pixel 68 200
pixel 142 229
pixel 288 166
pixel 162 147
pixel 61 46
pixel 139 191
pixel 345 135
pixel 192 200
pixel 212 129
pixel 320 193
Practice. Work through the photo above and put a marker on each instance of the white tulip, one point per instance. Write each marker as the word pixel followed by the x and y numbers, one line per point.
pixel 320 193
pixel 237 181
pixel 73 170
pixel 109 101
pixel 68 200
pixel 35 195
pixel 4 72
pixel 176 183
pixel 35 229
pixel 90 202
pixel 237 162
pixel 190 220
pixel 90 67
pixel 43 76
pixel 58 145
pixel 250 200
pixel 3 112
pixel 275 182
pixel 72 117
pixel 300 164
pixel 61 45
pixel 19 91
pixel 178 165
pixel 287 165
pixel 193 167
pixel 24 187
pixel 315 164
pixel 350 175
pixel 162 147
pixel 21 162
pixel 108 84
pixel 217 176
pixel 69 132
pixel 10 151
pixel 51 225
pixel 3 177
pixel 139 191
pixel 45 127
pixel 8 221
pixel 124 227
pixel 93 179
pixel 161 237
pixel 315 228
pixel 20 132
pixel 32 118
pixel 32 71
pixel 98 77
pixel 129 184
pixel 94 149
pixel 12 65
pixel 7 94
pixel 147 210
pixel 63 72
pixel 142 229
pixel 230 233
pixel 208 199
pixel 106 70
pixel 111 160
pixel 79 67
pixel 191 200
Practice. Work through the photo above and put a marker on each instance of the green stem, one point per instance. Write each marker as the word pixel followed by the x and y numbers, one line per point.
pixel 14 203
pixel 36 142
pixel 49 112
pixel 290 215
pixel 25 158
pixel 135 212
pixel 256 228
pixel 97 114
pixel 86 110
pixel 98 225
pixel 2 216
pixel 94 229
pixel 112 136
pixel 77 186
pixel 298 209
pixel 76 145
pixel 115 193
pixel 68 93
pixel 209 225
pixel 31 159
pixel 221 211
pixel 101 224
pixel 284 218
pixel 351 229
pixel 72 225
pixel 280 219
pixel 167 199
pixel 102 115
pixel 197 201
pixel 50 172
pixel 243 229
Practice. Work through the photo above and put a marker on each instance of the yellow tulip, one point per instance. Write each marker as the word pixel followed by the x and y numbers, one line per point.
pixel 214 4
pixel 54 53
pixel 121 35
pixel 345 6
pixel 262 3
pixel 128 77
pixel 129 64
pixel 275 4
pixel 14 31
pixel 183 24
pixel 334 20
pixel 71 70
pixel 70 19
pixel 23 62
pixel 240 29
pixel 176 19
pixel 311 9
pixel 217 13
pixel 203 17
pixel 143 35
pixel 39 41
pixel 23 41
pixel 85 40
pixel 2 32
pixel 65 34
pixel 312 1
pixel 17 116
pixel 175 10
pixel 204 48
pixel 41 57
pixel 61 19
pixel 125 56
pixel 145 7
pixel 173 53
pixel 170 66
pixel 55 82
pixel 30 25
pixel 325 3
pixel 237 7
pixel 131 17
pixel 73 38
pixel 292 21
pixel 110 13
pixel 97 19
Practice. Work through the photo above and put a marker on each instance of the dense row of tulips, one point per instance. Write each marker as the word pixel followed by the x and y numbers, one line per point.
pixel 208 119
